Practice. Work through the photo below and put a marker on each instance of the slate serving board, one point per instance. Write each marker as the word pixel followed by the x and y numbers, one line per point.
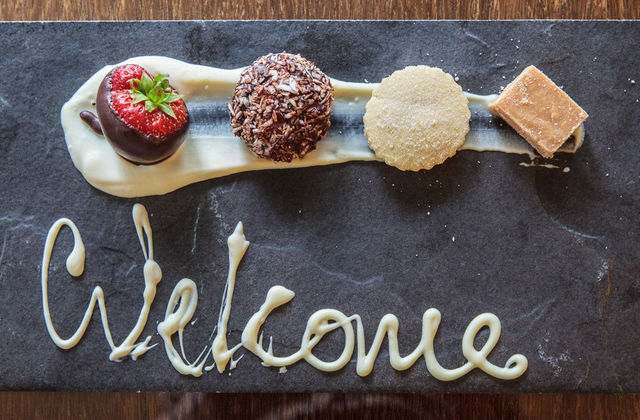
pixel 553 254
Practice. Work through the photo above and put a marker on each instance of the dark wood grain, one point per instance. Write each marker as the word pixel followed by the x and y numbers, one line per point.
pixel 317 9
pixel 53 405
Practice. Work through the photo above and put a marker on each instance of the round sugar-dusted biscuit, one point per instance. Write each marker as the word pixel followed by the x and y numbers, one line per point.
pixel 416 118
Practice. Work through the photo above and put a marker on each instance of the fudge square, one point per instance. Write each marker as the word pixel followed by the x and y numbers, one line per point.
pixel 538 110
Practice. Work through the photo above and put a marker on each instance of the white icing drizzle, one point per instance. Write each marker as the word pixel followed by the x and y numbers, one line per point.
pixel 184 299
pixel 326 320
pixel 75 267
pixel 238 245
pixel 185 296
pixel 217 152
pixel 539 165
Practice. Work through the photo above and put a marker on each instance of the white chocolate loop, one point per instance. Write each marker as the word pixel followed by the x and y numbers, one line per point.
pixel 319 324
pixel 515 366
pixel 75 266
pixel 276 296
pixel 185 296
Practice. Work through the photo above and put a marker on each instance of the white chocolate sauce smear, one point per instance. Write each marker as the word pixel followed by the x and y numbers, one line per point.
pixel 210 150
pixel 184 300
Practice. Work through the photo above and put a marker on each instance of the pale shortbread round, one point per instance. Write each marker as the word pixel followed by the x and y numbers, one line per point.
pixel 416 118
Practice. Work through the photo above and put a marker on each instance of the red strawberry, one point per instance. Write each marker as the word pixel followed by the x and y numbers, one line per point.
pixel 144 119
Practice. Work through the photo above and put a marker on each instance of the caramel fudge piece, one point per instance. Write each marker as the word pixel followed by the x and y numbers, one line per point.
pixel 539 111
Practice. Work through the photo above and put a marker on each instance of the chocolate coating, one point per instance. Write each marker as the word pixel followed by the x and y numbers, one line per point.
pixel 92 121
pixel 129 142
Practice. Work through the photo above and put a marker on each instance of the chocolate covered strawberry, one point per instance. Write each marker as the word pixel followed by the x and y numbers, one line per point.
pixel 142 116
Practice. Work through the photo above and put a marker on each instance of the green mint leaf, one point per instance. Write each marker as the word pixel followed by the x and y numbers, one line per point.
pixel 155 93
pixel 171 97
pixel 167 110
pixel 150 106
pixel 135 84
pixel 139 97
pixel 159 78
pixel 146 83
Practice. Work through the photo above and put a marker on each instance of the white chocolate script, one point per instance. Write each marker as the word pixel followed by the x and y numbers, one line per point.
pixel 75 267
pixel 184 299
pixel 212 151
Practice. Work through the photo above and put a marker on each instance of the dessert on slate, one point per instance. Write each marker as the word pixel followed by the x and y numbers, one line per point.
pixel 416 118
pixel 539 111
pixel 281 106
pixel 143 118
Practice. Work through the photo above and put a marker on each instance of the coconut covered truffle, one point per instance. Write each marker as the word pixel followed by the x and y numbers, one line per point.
pixel 281 106
pixel 416 118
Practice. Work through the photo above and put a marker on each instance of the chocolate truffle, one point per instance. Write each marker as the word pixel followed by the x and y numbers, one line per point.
pixel 281 106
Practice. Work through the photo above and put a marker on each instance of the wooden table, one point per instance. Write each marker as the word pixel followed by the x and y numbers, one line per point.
pixel 54 405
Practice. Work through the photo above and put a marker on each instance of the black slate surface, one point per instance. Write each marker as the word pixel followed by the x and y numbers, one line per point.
pixel 554 255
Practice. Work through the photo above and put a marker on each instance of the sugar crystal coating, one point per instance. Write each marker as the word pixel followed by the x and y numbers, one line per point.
pixel 417 118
